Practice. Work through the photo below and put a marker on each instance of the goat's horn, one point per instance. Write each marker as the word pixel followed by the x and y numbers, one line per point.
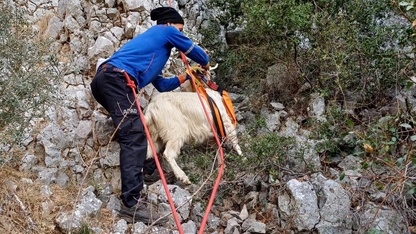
pixel 214 67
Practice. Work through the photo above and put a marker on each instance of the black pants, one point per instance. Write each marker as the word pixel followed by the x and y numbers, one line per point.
pixel 110 89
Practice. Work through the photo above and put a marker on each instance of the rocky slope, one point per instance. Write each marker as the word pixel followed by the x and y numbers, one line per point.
pixel 68 179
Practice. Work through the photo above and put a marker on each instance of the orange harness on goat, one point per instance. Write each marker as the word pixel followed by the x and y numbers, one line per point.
pixel 216 115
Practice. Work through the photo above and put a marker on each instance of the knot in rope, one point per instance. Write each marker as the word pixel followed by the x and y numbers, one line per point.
pixel 130 82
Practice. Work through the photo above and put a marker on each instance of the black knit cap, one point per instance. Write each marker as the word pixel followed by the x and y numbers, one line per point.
pixel 164 15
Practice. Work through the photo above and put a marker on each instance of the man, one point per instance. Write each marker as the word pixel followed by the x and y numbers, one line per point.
pixel 143 59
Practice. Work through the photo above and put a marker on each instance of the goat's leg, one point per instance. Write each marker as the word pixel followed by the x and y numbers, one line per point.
pixel 158 144
pixel 232 138
pixel 237 148
pixel 171 153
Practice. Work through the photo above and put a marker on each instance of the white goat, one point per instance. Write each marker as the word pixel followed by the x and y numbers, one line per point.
pixel 176 118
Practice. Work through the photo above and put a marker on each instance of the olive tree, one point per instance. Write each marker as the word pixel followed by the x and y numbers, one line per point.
pixel 28 71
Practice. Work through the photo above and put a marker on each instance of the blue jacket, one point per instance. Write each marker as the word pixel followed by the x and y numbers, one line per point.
pixel 144 56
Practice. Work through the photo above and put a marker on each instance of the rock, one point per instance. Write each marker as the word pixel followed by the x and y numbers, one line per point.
pixel 380 219
pixel 73 220
pixel 180 197
pixel 303 206
pixel 317 107
pixel 334 206
pixel 121 227
pixel 189 227
pixel 253 226
pixel 244 213
pixel 232 227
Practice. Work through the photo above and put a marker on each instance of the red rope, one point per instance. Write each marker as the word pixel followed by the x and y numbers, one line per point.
pixel 221 161
pixel 132 85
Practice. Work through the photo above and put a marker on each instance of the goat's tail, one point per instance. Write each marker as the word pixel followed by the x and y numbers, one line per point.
pixel 148 117
pixel 151 126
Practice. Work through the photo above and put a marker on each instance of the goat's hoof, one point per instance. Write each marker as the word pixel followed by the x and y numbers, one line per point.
pixel 185 180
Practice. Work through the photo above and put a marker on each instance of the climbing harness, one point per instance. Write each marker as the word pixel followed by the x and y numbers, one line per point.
pixel 228 104
pixel 216 115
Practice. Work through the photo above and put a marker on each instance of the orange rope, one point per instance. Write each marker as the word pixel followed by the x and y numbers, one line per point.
pixel 132 85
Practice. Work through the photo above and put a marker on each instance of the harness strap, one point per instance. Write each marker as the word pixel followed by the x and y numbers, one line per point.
pixel 219 124
pixel 225 99
pixel 212 85
pixel 216 116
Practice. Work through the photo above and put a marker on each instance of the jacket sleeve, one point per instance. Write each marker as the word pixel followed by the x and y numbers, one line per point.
pixel 164 84
pixel 185 45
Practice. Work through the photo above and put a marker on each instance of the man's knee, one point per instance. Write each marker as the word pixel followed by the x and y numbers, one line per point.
pixel 131 128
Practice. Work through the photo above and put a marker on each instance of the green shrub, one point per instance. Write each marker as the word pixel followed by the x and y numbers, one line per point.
pixel 267 152
pixel 28 72
pixel 338 47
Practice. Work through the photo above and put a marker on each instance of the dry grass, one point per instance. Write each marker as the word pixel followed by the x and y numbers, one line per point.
pixel 25 209
pixel 21 205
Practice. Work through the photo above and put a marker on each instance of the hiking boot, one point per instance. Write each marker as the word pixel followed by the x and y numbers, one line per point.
pixel 141 212
pixel 151 174
pixel 149 166
pixel 152 178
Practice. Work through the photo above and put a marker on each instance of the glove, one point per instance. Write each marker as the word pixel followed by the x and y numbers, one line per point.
pixel 183 77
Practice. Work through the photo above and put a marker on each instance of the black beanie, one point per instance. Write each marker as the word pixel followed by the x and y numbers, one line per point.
pixel 165 15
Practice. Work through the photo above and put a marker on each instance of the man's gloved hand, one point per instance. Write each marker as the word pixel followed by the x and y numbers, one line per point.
pixel 183 77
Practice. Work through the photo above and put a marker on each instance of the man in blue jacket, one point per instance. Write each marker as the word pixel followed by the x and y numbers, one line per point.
pixel 143 59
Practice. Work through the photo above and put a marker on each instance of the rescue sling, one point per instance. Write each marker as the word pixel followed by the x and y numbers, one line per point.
pixel 226 100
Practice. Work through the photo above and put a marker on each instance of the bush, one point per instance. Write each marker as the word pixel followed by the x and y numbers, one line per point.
pixel 28 73
pixel 338 46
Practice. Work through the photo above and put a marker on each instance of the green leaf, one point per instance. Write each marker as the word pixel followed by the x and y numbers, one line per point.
pixel 412 191
pixel 380 186
pixel 406 125
pixel 350 123
pixel 413 138
pixel 404 3
pixel 400 161
pixel 342 176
